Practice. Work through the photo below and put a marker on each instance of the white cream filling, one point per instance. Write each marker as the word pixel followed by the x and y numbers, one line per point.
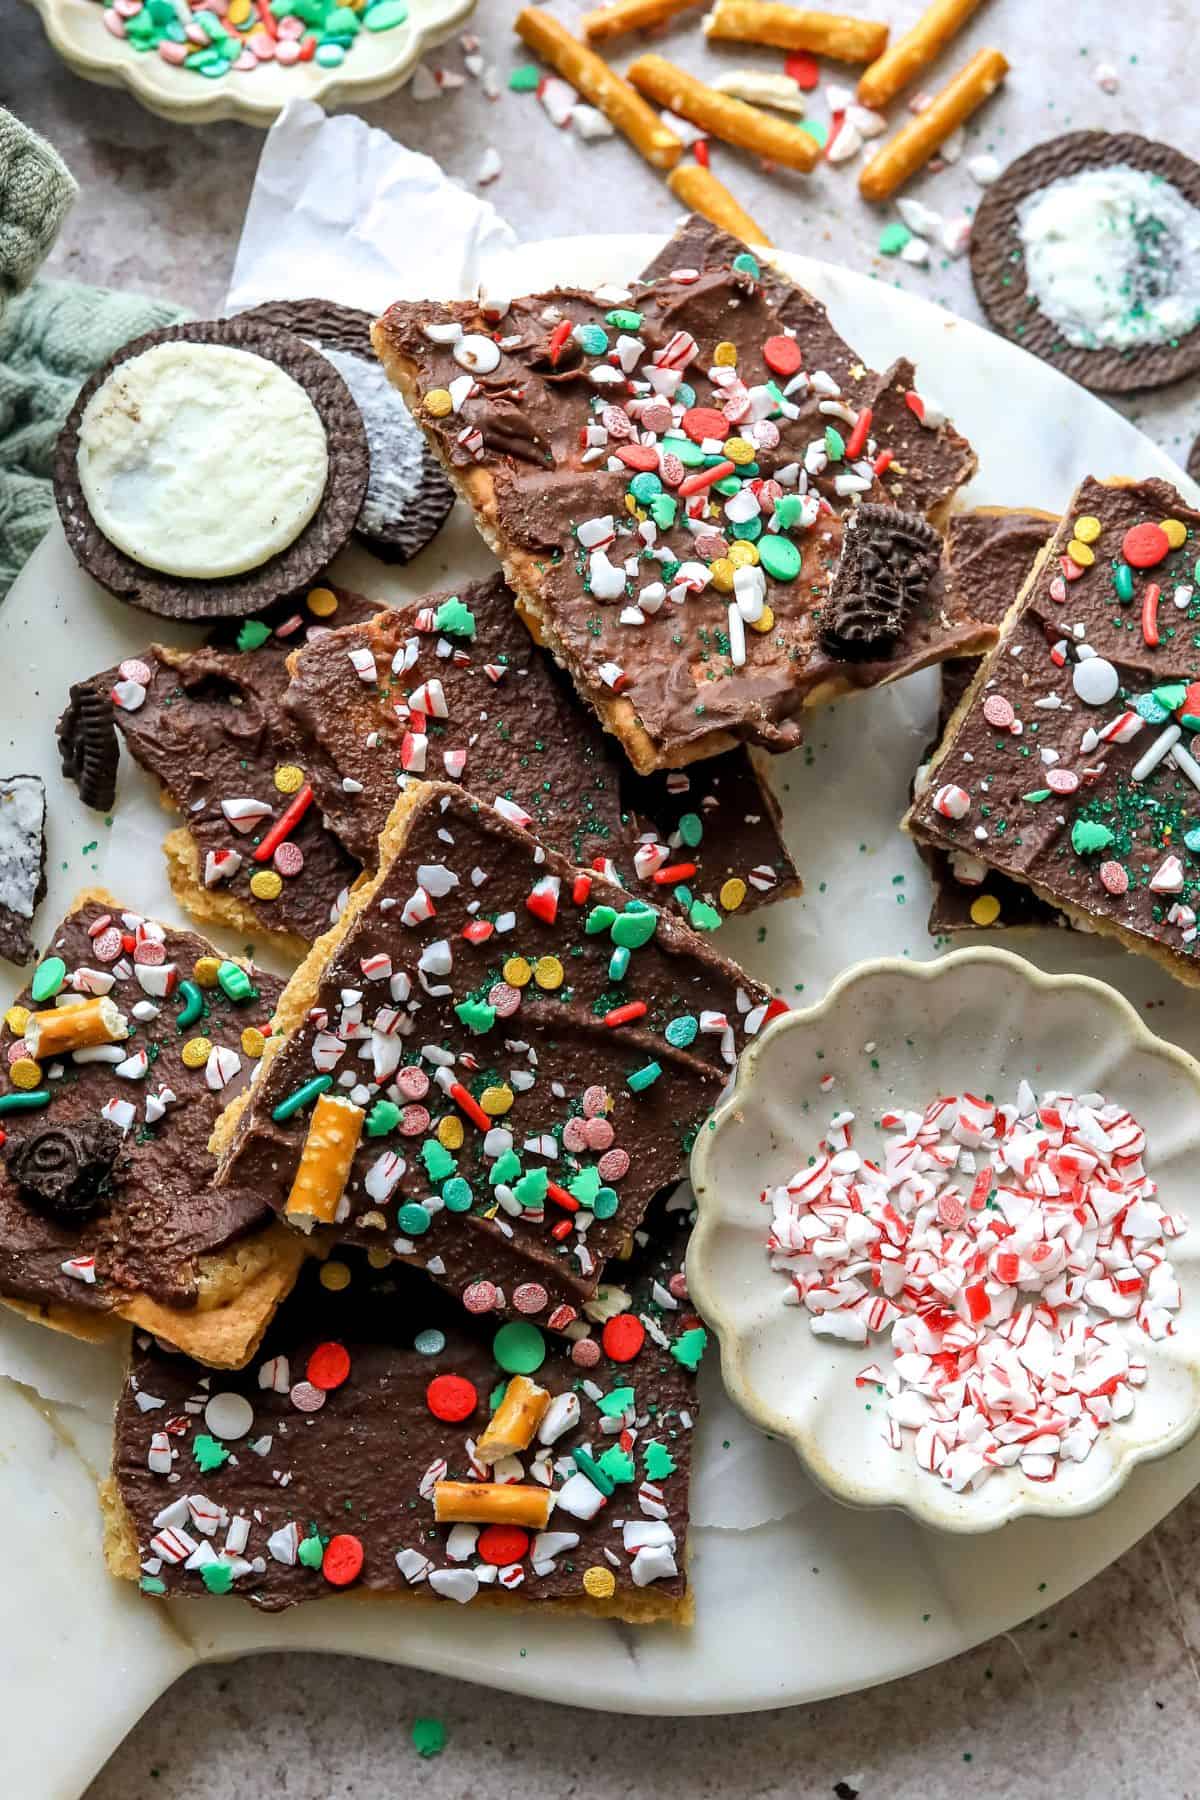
pixel 201 460
pixel 1112 256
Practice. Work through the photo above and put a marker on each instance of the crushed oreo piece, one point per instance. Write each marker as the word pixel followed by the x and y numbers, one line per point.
pixel 88 745
pixel 888 559
pixel 67 1171
pixel 22 862
pixel 1193 462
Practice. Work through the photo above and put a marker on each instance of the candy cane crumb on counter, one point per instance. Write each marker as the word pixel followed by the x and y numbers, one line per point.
pixel 1012 1252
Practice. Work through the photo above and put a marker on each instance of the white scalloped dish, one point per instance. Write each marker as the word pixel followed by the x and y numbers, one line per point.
pixel 978 1020
pixel 377 65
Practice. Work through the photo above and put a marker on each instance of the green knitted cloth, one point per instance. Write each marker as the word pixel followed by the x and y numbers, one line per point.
pixel 52 337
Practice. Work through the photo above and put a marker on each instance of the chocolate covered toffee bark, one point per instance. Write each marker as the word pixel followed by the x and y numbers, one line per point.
pixel 520 1469
pixel 22 862
pixel 254 853
pixel 502 719
pixel 989 552
pixel 118 1058
pixel 491 1065
pixel 1069 763
pixel 663 473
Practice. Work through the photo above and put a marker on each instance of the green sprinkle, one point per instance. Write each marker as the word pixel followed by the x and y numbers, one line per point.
pixel 682 1031
pixel 745 264
pixel 815 129
pixel 506 1169
pixel 476 1015
pixel 531 1189
pixel 519 1348
pixel 835 444
pixel 645 487
pixel 703 917
pixel 150 1584
pixel 385 14
pixel 311 1551
pixel 458 1194
pixel 593 340
pixel 622 320
pixel 217 1577
pixel 208 1453
pixel 193 1005
pixel 439 1164
pixel 234 982
pixel 455 619
pixel 1123 582
pixel 19 1101
pixel 633 929
pixel 618 964
pixel 663 509
pixel 691 829
pixel 1087 837
pixel 780 557
pixel 253 635
pixel 413 1220
pixel 301 1097
pixel 585 1186
pixel 525 80
pixel 383 1117
pixel 598 1477
pixel 644 1077
pixel 48 978
pixel 429 1735
pixel 893 238
pixel 658 1462
pixel 618 1465
pixel 1037 796
pixel 616 1402
pixel 605 1204
pixel 600 918
pixel 689 1347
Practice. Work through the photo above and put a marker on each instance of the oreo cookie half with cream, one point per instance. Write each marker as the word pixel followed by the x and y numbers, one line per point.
pixel 209 468
pixel 1087 252
pixel 408 498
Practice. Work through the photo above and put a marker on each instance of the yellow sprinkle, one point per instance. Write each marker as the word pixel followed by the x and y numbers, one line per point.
pixel 195 1052
pixel 725 355
pixel 288 778
pixel 764 621
pixel 739 450
pixel 17 1018
pixel 266 884
pixel 1176 532
pixel 627 1247
pixel 1079 553
pixel 438 403
pixel 599 1583
pixel 743 555
pixel 450 1132
pixel 322 601
pixel 548 972
pixel 733 892
pixel 253 1042
pixel 335 1276
pixel 239 11
pixel 496 1101
pixel 1088 528
pixel 379 1259
pixel 204 970
pixel 722 574
pixel 517 972
pixel 25 1073
pixel 374 1221
pixel 985 910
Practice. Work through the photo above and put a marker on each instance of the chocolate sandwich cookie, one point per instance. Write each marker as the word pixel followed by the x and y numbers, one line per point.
pixel 521 1469
pixel 491 1065
pixel 253 853
pixel 107 1207
pixel 22 863
pixel 88 746
pixel 663 472
pixel 1087 252
pixel 408 498
pixel 1070 765
pixel 209 468
pixel 504 721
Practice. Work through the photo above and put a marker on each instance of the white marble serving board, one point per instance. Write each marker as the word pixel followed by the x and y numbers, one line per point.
pixel 796 1597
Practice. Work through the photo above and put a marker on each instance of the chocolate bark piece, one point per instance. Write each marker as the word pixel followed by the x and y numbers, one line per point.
pixel 88 746
pixel 292 569
pixel 1193 461
pixel 888 562
pixel 1001 279
pixel 623 1397
pixel 209 724
pixel 514 729
pixel 989 552
pixel 582 427
pixel 526 1051
pixel 156 1243
pixel 1098 818
pixel 408 499
pixel 22 863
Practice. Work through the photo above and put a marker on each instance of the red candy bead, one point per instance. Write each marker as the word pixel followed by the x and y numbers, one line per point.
pixel 638 456
pixel 1145 546
pixel 782 355
pixel 803 69
pixel 502 1544
pixel 328 1366
pixel 451 1398
pixel 343 1560
pixel 623 1337
pixel 702 422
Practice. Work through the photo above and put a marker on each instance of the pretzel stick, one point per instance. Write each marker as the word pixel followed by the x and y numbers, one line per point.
pixel 916 142
pixel 629 15
pixel 789 28
pixel 66 1028
pixel 731 120
pixel 324 1167
pixel 597 82
pixel 511 1427
pixel 903 61
pixel 701 192
pixel 490 1503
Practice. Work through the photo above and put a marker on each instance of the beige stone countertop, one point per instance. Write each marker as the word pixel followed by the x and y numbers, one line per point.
pixel 1097 1697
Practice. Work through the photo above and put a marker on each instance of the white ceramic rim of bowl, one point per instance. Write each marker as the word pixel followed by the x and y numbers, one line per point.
pixel 78 34
pixel 704 1283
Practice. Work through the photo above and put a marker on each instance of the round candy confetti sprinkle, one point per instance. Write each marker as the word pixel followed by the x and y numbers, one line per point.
pixel 782 355
pixel 322 602
pixel 335 1276
pixel 438 403
pixel 1114 878
pixel 725 355
pixel 328 1366
pixel 732 893
pixel 598 1133
pixel 1095 680
pixel 288 858
pixel 623 1337
pixel 613 1166
pixel 1087 528
pixel 430 1342
pixel 457 1194
pixel 517 972
pixel 48 978
pixel 1175 532
pixel 205 970
pixel 451 1398
pixel 150 953
pixel 530 1297
pixel 429 1735
pixel 504 1000
pixel 196 1052
pixel 288 778
pixel 1144 546
pixel 480 1297
pixel 343 1560
pixel 502 1544
pixel 721 572
pixel 599 1583
pixel 999 712
pixel 780 558
pixel 307 1398
pixel 605 1203
pixel 413 1082
pixel 229 1415
pixel 25 1073
pixel 519 1348
pixel 496 1101
pixel 450 1132
pixel 743 555
pixel 17 1018
pixel 985 910
pixel 253 1042
pixel 413 1220
pixel 585 1354
pixel 266 884
pixel 595 1100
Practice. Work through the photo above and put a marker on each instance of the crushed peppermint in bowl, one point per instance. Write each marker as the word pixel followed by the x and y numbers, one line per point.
pixel 944 1239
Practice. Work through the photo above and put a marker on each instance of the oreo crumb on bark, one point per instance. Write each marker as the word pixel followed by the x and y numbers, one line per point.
pixel 1193 462
pixel 22 862
pixel 998 263
pixel 88 745
pixel 888 560
pixel 408 498
pixel 67 1171
pixel 296 567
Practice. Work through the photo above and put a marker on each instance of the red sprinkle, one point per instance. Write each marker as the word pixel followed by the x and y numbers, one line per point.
pixel 704 478
pixel 502 1544
pixel 623 1337
pixel 638 456
pixel 285 824
pixel 1150 600
pixel 856 443
pixel 328 1366
pixel 562 1230
pixel 451 1398
pixel 581 889
pixel 702 422
pixel 883 461
pixel 625 1015
pixel 782 356
pixel 468 1103
pixel 674 872
pixel 560 1197
pixel 1146 545
pixel 803 69
pixel 343 1560
pixel 558 338
pixel 478 931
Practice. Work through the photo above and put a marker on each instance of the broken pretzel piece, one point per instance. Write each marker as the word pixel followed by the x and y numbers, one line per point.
pixel 733 121
pixel 592 77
